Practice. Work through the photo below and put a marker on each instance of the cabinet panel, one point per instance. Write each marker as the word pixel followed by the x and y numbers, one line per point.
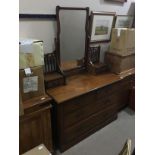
pixel 34 129
pixel 30 133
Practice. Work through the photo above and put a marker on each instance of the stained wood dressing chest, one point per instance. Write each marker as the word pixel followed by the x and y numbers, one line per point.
pixel 88 103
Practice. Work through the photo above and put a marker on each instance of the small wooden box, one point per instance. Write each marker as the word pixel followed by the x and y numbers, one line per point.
pixel 118 64
pixel 97 68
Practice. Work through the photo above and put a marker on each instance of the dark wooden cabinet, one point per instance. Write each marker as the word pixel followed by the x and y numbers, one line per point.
pixel 35 125
pixel 86 104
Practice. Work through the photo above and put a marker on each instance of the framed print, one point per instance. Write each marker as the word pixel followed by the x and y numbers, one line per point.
pixel 120 1
pixel 100 26
pixel 124 21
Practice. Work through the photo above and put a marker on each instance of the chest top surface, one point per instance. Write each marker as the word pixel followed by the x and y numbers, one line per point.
pixel 83 83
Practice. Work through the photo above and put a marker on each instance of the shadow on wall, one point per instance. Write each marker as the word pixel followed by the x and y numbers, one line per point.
pixel 131 10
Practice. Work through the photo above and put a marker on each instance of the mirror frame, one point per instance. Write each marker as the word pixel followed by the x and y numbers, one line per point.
pixel 57 40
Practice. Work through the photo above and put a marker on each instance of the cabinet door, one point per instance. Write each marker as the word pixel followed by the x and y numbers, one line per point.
pixel 35 129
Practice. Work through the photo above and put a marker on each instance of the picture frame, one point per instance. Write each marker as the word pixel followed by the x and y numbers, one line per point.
pixel 124 21
pixel 101 24
pixel 119 1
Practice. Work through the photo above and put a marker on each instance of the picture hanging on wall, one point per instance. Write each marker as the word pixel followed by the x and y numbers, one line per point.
pixel 100 26
pixel 124 21
pixel 120 1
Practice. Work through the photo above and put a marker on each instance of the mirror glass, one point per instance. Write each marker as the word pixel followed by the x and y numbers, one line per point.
pixel 72 37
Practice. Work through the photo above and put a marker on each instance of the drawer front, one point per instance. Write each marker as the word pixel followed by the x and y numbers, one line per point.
pixel 86 125
pixel 84 112
pixel 92 97
pixel 111 89
pixel 121 99
pixel 79 102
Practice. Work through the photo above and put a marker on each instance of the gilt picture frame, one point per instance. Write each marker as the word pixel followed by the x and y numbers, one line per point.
pixel 101 24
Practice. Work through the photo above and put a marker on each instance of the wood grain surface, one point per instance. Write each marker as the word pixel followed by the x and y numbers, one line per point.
pixel 84 83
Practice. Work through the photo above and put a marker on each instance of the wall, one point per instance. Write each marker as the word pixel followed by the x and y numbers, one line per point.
pixel 46 30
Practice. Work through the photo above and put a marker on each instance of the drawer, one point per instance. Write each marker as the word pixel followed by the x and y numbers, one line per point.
pixel 108 90
pixel 119 86
pixel 89 124
pixel 125 84
pixel 84 112
pixel 79 102
pixel 121 99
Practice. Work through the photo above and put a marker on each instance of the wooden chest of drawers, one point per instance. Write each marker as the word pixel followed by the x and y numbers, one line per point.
pixel 81 115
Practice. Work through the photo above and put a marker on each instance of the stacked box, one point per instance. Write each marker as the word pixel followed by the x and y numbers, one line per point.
pixel 122 41
pixel 30 53
pixel 121 55
pixel 118 64
pixel 31 56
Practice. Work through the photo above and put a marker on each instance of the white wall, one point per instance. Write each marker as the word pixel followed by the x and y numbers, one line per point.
pixel 39 29
pixel 46 30
pixel 48 6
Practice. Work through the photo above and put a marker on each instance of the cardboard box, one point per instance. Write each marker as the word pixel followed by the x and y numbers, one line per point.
pixel 33 85
pixel 39 150
pixel 30 53
pixel 118 64
pixel 122 41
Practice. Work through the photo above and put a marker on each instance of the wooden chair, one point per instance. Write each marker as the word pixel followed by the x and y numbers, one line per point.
pixel 53 75
pixel 94 64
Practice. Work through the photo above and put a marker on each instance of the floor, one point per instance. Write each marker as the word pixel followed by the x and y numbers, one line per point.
pixel 110 139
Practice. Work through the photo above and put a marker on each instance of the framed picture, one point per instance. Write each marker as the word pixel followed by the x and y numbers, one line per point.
pixel 100 26
pixel 120 1
pixel 124 21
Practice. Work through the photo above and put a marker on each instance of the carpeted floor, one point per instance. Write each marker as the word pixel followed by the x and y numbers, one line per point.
pixel 110 139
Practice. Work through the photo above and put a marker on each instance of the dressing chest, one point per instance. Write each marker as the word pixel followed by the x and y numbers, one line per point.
pixel 88 103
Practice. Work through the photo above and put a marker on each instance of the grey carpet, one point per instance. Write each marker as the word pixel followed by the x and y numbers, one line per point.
pixel 110 139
